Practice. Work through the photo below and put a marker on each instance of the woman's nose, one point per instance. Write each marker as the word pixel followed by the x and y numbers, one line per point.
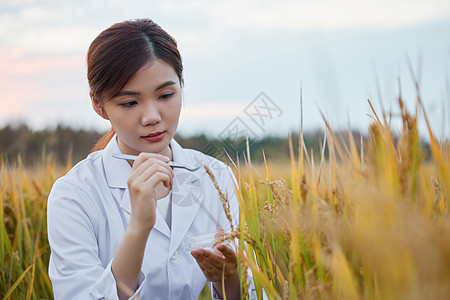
pixel 150 114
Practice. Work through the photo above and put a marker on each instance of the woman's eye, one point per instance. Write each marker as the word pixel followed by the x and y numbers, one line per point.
pixel 166 96
pixel 128 104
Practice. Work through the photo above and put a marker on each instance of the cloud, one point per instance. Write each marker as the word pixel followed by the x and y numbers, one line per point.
pixel 50 27
pixel 27 81
pixel 312 15
pixel 212 111
pixel 70 26
pixel 15 62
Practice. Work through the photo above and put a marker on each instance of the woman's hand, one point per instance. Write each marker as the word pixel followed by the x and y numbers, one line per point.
pixel 147 172
pixel 217 262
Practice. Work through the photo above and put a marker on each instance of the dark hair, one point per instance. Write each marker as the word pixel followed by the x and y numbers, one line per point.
pixel 119 52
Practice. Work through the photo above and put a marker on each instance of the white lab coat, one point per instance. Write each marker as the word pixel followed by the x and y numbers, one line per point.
pixel 89 210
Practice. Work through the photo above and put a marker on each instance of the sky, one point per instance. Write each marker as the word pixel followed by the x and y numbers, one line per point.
pixel 246 63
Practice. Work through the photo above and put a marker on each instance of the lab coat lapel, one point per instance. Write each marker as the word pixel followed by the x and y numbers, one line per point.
pixel 187 196
pixel 160 223
pixel 116 170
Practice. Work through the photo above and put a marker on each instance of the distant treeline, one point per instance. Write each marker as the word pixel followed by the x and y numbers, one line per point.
pixel 32 146
pixel 63 143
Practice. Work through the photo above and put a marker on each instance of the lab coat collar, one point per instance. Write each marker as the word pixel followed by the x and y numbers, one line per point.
pixel 116 170
pixel 187 191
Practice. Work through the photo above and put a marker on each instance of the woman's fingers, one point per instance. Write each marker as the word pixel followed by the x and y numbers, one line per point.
pixel 150 176
pixel 144 174
pixel 213 272
pixel 213 267
pixel 214 264
pixel 211 276
pixel 146 160
pixel 145 156
pixel 227 252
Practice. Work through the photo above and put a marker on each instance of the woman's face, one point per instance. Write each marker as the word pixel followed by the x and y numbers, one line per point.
pixel 146 111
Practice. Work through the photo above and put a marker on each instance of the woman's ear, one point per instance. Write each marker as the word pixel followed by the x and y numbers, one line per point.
pixel 98 107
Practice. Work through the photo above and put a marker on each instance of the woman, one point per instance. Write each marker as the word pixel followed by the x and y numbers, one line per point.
pixel 118 228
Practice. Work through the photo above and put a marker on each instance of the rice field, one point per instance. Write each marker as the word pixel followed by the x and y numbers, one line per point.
pixel 363 219
pixel 24 249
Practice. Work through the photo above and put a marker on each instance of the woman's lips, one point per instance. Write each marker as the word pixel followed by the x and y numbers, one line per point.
pixel 154 137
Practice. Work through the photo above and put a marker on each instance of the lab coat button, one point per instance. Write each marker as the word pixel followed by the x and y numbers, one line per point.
pixel 175 255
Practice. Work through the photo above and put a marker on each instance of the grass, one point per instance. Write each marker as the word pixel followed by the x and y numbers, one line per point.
pixel 366 222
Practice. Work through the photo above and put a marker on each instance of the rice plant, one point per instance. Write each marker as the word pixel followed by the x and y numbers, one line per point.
pixel 368 224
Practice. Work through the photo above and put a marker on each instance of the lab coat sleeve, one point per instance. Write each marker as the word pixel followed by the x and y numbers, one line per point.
pixel 75 269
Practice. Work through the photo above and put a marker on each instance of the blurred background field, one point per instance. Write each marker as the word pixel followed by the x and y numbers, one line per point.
pixel 349 217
